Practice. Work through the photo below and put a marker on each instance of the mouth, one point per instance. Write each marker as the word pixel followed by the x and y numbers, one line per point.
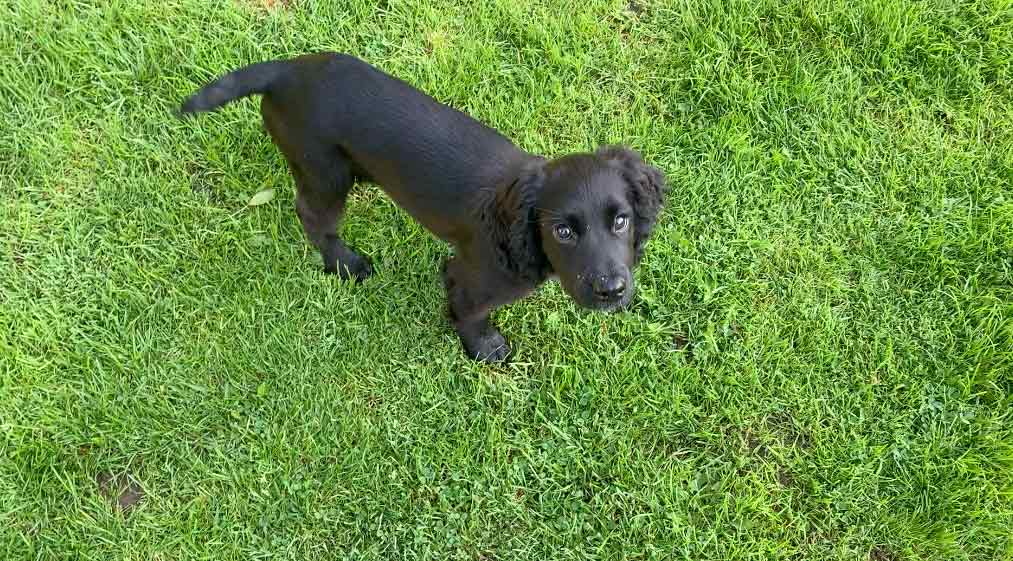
pixel 611 306
pixel 588 301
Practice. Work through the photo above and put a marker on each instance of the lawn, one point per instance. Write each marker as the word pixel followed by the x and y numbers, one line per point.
pixel 818 365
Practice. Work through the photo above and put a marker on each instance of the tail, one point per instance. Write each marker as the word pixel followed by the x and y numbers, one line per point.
pixel 249 80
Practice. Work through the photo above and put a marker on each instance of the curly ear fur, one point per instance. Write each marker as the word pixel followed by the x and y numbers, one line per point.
pixel 509 220
pixel 647 191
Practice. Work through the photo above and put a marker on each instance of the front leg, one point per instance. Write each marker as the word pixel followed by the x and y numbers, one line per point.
pixel 482 341
pixel 471 297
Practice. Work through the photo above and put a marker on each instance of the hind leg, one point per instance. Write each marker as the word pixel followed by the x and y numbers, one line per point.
pixel 323 177
pixel 321 190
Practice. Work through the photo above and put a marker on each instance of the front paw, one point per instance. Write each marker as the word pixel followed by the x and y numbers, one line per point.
pixel 354 267
pixel 488 347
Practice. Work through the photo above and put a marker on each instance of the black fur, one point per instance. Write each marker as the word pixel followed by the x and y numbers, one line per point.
pixel 253 79
pixel 507 217
pixel 515 219
pixel 647 191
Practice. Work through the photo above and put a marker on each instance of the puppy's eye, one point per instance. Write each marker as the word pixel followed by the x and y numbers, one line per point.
pixel 621 223
pixel 563 232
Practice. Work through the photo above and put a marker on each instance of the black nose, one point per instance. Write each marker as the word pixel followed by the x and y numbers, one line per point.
pixel 609 287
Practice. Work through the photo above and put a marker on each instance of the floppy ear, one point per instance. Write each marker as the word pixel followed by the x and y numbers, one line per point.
pixel 647 191
pixel 509 219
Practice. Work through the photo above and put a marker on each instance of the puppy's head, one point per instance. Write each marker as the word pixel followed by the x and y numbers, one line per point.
pixel 595 213
pixel 584 217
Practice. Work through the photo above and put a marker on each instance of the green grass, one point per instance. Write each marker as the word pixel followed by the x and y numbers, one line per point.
pixel 819 364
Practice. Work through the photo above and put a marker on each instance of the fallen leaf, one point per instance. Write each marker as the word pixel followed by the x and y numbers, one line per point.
pixel 262 197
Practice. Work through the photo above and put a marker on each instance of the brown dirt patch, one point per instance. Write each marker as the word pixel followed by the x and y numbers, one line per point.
pixel 882 553
pixel 122 490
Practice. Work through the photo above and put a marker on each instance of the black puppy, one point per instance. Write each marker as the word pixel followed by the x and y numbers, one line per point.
pixel 515 219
